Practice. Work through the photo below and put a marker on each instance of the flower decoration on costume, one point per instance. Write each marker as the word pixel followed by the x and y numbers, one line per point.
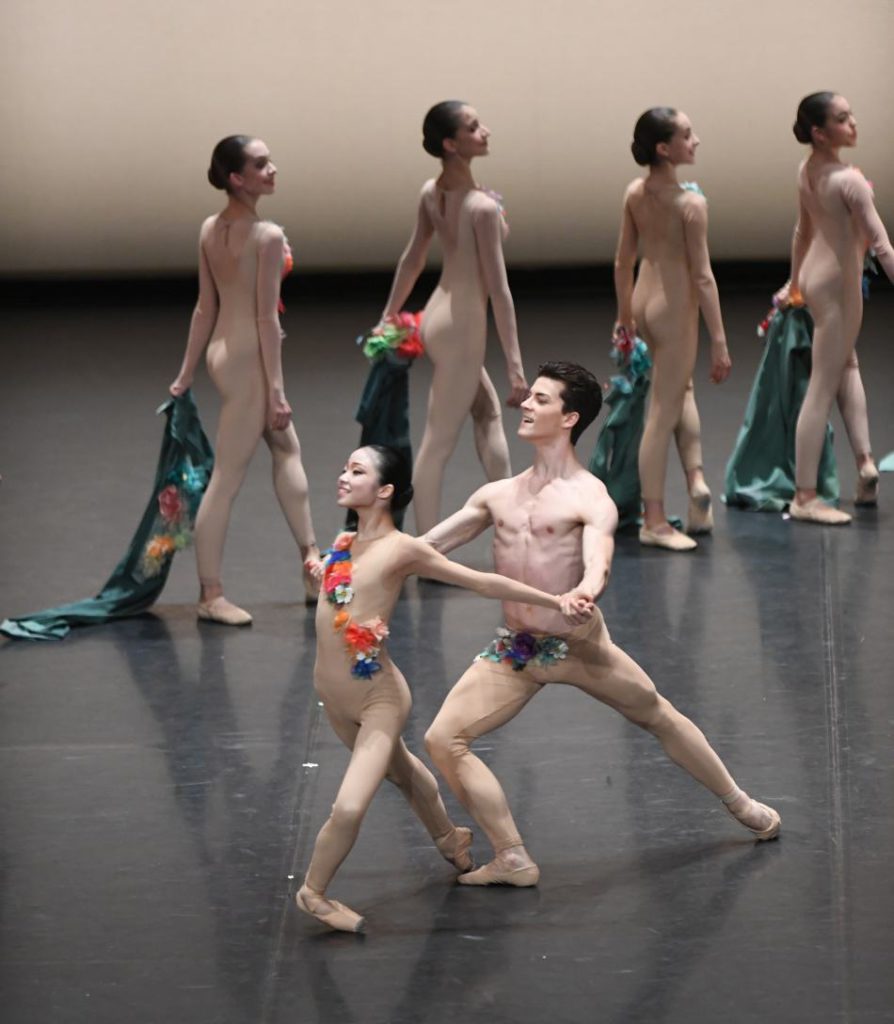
pixel 397 336
pixel 288 265
pixel 631 355
pixel 519 648
pixel 794 301
pixel 498 199
pixel 693 186
pixel 171 531
pixel 362 639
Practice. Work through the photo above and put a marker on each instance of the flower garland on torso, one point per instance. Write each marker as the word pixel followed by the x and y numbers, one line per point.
pixel 362 639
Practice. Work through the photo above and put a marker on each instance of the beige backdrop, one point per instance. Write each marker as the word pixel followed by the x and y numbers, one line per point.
pixel 111 108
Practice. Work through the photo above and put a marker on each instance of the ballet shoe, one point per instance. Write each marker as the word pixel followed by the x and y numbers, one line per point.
pixel 338 916
pixel 867 488
pixel 223 611
pixel 495 874
pixel 817 511
pixel 700 517
pixel 760 834
pixel 454 848
pixel 670 539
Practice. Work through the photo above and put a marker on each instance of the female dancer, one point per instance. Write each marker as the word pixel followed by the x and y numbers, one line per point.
pixel 837 223
pixel 241 261
pixel 366 697
pixel 670 221
pixel 470 225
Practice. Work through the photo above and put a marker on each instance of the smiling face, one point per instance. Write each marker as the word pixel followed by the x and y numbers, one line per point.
pixel 542 416
pixel 471 138
pixel 682 145
pixel 840 127
pixel 258 175
pixel 359 485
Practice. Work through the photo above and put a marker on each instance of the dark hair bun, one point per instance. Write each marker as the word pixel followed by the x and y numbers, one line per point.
pixel 402 499
pixel 228 158
pixel 802 134
pixel 640 153
pixel 812 113
pixel 441 122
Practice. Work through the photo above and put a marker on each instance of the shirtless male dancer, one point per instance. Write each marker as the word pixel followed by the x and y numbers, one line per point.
pixel 554 529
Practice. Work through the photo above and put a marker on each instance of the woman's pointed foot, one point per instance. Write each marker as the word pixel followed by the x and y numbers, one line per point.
pixel 222 611
pixel 455 848
pixel 817 511
pixel 665 537
pixel 763 822
pixel 330 912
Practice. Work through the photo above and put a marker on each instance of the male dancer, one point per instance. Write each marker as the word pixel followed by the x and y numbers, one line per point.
pixel 554 528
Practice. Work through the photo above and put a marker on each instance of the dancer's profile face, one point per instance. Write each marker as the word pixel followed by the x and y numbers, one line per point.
pixel 683 143
pixel 541 412
pixel 471 136
pixel 358 484
pixel 258 175
pixel 840 128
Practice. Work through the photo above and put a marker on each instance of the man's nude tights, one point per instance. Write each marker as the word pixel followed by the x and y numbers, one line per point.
pixel 490 695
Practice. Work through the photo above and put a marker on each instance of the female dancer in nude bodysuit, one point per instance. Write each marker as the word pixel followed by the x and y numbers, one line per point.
pixel 470 225
pixel 241 261
pixel 669 222
pixel 837 223
pixel 366 697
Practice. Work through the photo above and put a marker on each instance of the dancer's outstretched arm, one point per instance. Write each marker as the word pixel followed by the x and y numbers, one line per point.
pixel 487 223
pixel 465 525
pixel 411 263
pixel 203 319
pixel 423 560
pixel 598 547
pixel 625 262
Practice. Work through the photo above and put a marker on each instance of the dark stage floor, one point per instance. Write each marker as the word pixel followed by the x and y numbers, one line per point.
pixel 161 783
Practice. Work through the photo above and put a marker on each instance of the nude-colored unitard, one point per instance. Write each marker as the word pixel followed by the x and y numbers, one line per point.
pixel 837 224
pixel 669 226
pixel 240 268
pixel 471 228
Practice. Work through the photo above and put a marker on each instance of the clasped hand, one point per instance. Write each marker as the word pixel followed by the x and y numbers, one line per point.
pixel 577 606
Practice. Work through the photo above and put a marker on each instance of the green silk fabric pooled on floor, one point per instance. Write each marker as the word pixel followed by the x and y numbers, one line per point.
pixel 185 462
pixel 384 411
pixel 615 458
pixel 760 475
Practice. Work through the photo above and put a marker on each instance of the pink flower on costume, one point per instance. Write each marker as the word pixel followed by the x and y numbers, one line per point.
pixel 170 504
pixel 343 541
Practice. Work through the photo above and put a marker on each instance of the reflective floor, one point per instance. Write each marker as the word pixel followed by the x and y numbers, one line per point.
pixel 161 782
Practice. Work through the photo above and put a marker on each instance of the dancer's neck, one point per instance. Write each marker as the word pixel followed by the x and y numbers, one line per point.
pixel 373 523
pixel 554 459
pixel 456 175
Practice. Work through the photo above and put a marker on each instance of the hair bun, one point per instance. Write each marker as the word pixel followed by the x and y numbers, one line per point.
pixel 640 154
pixel 801 133
pixel 214 179
pixel 401 500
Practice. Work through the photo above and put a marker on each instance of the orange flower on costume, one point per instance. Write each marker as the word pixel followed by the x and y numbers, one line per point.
pixel 361 639
pixel 340 619
pixel 343 541
pixel 160 547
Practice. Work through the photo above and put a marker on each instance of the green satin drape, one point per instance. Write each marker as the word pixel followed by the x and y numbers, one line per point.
pixel 760 475
pixel 615 457
pixel 384 411
pixel 185 462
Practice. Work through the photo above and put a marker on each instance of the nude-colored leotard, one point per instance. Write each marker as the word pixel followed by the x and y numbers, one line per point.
pixel 240 265
pixel 668 226
pixel 838 222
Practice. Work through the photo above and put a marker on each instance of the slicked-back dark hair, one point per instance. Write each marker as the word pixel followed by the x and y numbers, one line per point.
pixel 441 122
pixel 228 158
pixel 395 469
pixel 653 127
pixel 581 392
pixel 813 111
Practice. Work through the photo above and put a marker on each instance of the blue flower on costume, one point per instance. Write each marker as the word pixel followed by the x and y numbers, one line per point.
pixel 520 648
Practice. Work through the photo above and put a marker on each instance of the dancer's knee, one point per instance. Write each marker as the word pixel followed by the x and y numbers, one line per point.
pixel 649 710
pixel 347 815
pixel 442 744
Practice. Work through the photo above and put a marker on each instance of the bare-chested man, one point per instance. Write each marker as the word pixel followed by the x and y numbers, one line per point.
pixel 554 529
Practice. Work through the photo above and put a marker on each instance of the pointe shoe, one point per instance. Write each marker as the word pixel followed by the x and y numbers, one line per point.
pixel 771 831
pixel 338 916
pixel 454 848
pixel 670 539
pixel 817 511
pixel 494 874
pixel 223 611
pixel 867 488
pixel 700 517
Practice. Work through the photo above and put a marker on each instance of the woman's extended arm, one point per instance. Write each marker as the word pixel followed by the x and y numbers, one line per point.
pixel 695 230
pixel 411 263
pixel 202 323
pixel 487 223
pixel 271 253
pixel 426 561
